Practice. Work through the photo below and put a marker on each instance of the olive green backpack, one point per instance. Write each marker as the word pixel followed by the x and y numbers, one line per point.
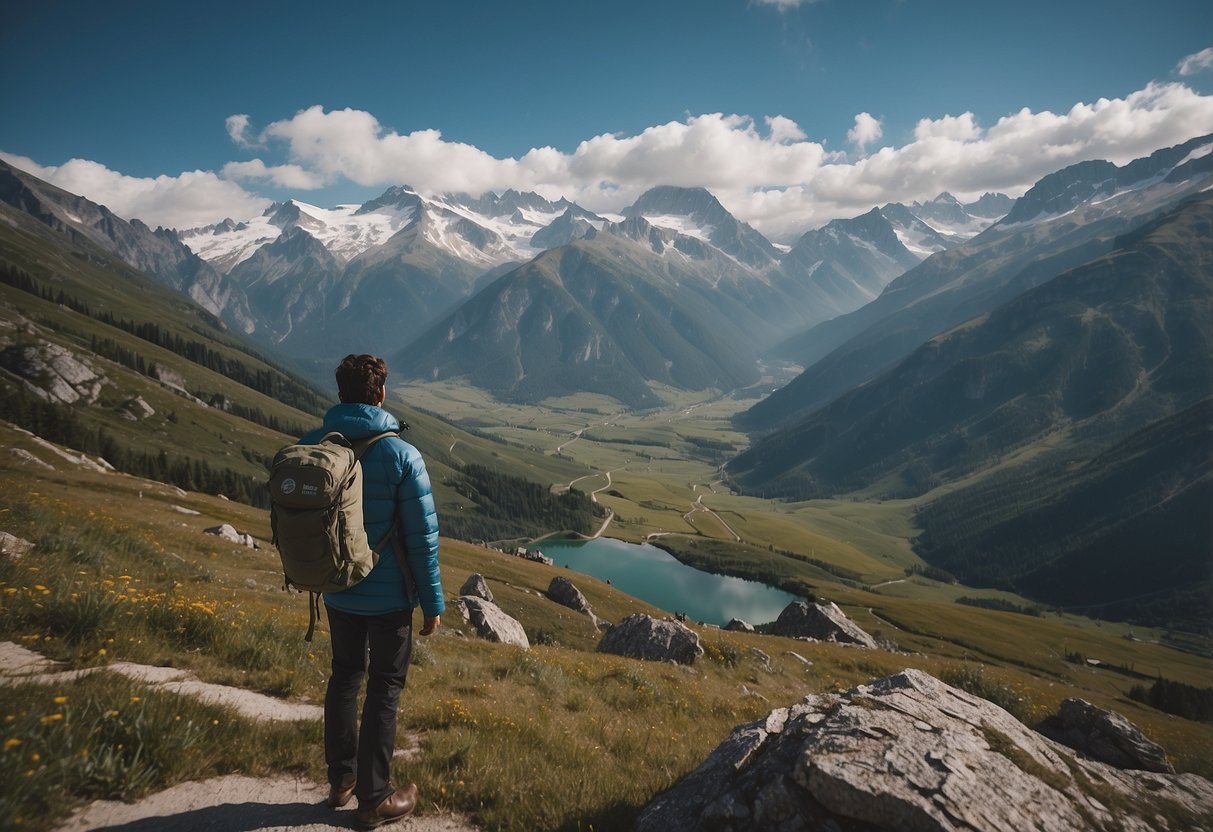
pixel 316 517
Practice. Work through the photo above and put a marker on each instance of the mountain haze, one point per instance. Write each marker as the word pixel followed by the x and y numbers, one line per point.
pixel 403 262
pixel 158 253
pixel 1078 405
pixel 994 267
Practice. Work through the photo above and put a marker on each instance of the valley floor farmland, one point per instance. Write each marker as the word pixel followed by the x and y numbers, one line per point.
pixel 666 485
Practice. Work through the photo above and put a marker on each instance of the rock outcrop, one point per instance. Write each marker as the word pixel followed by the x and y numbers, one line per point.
pixel 13 547
pixel 562 591
pixel 491 622
pixel 476 587
pixel 1105 736
pixel 736 625
pixel 54 373
pixel 822 622
pixel 229 533
pixel 644 637
pixel 910 752
pixel 136 409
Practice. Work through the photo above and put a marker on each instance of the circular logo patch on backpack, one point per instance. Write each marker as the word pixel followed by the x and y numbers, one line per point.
pixel 287 486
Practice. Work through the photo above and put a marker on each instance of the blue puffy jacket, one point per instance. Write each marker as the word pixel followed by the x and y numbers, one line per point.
pixel 394 482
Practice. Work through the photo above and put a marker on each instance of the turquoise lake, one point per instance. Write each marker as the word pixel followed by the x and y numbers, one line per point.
pixel 656 576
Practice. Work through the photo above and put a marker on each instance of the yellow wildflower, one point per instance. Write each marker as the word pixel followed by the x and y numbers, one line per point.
pixel 12 742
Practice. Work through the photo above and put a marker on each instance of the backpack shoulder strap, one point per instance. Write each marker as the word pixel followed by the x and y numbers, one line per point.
pixel 361 446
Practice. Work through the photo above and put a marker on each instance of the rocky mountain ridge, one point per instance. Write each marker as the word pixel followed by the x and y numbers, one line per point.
pixel 310 281
pixel 956 285
pixel 159 254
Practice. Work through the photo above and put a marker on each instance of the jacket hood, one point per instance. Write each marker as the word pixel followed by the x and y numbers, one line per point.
pixel 357 421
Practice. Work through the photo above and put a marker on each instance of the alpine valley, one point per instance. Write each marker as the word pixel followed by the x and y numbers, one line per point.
pixel 981 431
pixel 1050 355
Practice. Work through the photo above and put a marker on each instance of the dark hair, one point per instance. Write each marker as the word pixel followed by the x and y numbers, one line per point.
pixel 360 378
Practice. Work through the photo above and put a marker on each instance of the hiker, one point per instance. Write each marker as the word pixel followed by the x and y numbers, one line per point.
pixel 374 617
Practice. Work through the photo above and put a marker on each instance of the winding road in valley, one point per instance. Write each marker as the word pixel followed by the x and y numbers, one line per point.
pixel 699 506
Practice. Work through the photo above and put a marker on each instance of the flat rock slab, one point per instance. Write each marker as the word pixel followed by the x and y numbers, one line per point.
pixel 19 665
pixel 236 802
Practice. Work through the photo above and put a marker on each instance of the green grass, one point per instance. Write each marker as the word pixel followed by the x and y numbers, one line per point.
pixel 559 738
pixel 106 737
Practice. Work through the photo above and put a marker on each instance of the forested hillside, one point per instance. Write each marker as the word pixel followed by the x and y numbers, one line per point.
pixel 101 359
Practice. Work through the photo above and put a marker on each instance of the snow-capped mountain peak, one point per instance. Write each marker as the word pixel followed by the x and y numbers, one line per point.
pixel 489 230
pixel 695 213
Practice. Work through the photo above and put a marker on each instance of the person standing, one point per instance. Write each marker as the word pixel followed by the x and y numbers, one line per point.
pixel 370 623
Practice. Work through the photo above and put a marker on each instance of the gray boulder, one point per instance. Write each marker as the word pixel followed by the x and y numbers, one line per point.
pixel 491 622
pixel 54 373
pixel 736 625
pixel 562 591
pixel 136 409
pixel 822 622
pixel 476 587
pixel 13 547
pixel 229 533
pixel 644 637
pixel 910 752
pixel 1105 736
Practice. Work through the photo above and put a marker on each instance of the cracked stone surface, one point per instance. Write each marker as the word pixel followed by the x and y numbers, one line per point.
pixel 643 637
pixel 910 752
pixel 20 665
pixel 491 622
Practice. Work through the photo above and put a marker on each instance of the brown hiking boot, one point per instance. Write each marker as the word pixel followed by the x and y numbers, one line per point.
pixel 339 796
pixel 393 807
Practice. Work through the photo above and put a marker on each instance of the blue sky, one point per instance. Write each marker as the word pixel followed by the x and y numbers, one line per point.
pixel 791 113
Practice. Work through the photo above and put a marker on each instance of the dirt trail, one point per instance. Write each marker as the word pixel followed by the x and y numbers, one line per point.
pixel 234 803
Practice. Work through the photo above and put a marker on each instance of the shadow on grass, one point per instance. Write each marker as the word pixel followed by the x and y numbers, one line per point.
pixel 615 816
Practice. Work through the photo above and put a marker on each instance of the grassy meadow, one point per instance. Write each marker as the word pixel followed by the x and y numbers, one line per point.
pixel 559 737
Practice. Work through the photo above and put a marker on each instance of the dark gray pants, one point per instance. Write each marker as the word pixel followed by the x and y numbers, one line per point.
pixel 362 753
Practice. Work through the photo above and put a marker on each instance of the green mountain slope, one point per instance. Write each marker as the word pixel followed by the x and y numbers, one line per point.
pixel 1037 407
pixel 1101 351
pixel 1072 216
pixel 601 316
pixel 160 388
pixel 1126 534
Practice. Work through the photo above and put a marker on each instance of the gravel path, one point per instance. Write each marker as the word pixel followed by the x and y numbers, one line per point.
pixel 234 803
pixel 239 804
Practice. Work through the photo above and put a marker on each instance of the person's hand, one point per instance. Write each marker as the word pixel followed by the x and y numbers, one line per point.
pixel 432 623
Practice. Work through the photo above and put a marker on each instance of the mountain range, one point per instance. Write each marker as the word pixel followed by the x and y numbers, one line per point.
pixel 1043 390
pixel 1032 372
pixel 1071 217
pixel 402 275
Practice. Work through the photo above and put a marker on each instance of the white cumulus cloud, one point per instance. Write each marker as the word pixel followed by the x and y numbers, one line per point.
pixel 784 4
pixel 281 176
pixel 867 129
pixel 1195 63
pixel 189 199
pixel 237 129
pixel 783 129
pixel 959 128
pixel 766 171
